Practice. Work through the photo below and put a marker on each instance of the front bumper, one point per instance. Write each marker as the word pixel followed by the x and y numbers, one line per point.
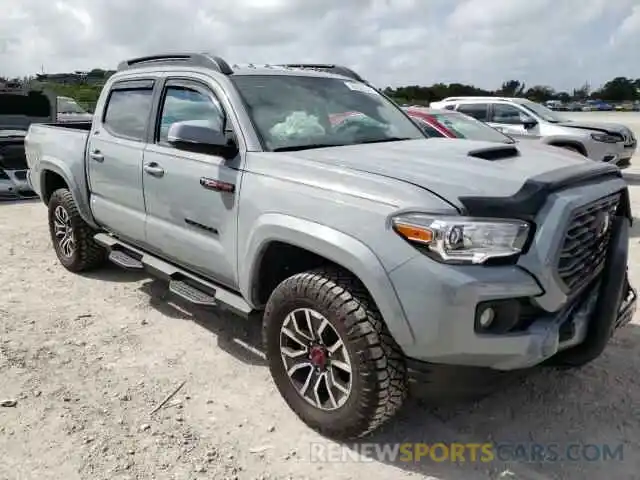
pixel 421 373
pixel 628 151
pixel 442 309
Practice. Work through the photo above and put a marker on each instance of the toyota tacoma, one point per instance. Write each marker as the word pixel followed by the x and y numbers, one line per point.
pixel 370 252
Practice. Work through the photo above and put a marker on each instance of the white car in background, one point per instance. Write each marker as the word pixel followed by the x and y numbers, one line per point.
pixel 522 118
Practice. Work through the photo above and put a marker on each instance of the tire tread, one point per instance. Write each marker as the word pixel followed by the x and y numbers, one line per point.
pixel 90 254
pixel 384 367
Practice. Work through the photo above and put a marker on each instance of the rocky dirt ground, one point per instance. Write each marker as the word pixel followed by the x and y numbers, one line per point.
pixel 86 359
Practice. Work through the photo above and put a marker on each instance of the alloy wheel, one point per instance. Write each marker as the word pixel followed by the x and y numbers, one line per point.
pixel 63 231
pixel 315 359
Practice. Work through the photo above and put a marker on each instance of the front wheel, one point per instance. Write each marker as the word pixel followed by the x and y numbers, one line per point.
pixel 330 354
pixel 72 237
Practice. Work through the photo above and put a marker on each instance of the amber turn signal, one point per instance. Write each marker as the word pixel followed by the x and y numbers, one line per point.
pixel 414 233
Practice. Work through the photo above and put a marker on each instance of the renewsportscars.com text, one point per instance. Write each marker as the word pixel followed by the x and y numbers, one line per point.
pixel 467 452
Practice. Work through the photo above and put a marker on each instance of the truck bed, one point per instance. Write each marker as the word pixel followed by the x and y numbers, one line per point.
pixel 83 125
pixel 59 147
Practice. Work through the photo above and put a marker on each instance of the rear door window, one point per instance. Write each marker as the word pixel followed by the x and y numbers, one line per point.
pixel 479 111
pixel 507 114
pixel 127 112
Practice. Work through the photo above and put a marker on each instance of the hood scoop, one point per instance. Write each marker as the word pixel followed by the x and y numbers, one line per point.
pixel 495 153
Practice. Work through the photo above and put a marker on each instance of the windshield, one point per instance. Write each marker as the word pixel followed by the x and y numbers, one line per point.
pixel 67 105
pixel 464 126
pixel 543 112
pixel 301 112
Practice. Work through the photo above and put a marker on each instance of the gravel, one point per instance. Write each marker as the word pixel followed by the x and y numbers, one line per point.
pixel 85 359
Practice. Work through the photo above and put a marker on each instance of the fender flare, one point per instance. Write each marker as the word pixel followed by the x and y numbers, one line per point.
pixel 46 165
pixel 336 247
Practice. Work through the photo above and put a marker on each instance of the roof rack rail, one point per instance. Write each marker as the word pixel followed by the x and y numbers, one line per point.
pixel 336 69
pixel 181 58
pixel 475 97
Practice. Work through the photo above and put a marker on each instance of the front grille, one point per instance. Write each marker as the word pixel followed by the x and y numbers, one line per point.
pixel 629 140
pixel 585 244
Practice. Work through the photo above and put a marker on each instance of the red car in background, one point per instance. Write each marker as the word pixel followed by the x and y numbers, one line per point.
pixel 451 124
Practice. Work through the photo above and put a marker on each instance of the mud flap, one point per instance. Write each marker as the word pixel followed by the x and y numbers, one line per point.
pixel 616 300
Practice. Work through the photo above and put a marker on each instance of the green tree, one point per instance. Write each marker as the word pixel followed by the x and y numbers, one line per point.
pixel 540 93
pixel 618 90
pixel 512 88
pixel 582 93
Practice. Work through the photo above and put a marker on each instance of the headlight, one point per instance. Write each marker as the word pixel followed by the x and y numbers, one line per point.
pixel 605 137
pixel 463 239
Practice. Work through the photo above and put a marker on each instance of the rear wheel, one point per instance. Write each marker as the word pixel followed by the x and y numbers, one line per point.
pixel 72 237
pixel 331 356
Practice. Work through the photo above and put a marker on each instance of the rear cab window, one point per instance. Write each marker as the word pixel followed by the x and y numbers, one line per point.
pixel 128 107
pixel 479 111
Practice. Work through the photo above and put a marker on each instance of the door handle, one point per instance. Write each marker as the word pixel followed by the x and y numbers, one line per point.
pixel 154 169
pixel 97 156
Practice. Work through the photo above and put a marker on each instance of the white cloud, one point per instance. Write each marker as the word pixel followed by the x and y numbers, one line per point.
pixel 555 42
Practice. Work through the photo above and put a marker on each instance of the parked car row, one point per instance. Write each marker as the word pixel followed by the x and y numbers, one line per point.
pixel 303 196
pixel 523 119
pixel 592 105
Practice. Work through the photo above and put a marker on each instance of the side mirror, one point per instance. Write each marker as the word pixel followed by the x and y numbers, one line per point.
pixel 528 122
pixel 200 137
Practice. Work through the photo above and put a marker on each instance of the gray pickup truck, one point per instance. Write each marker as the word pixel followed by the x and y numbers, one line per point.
pixel 371 252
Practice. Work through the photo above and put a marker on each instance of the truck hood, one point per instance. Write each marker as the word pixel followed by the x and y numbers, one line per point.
pixel 604 127
pixel 455 169
pixel 19 108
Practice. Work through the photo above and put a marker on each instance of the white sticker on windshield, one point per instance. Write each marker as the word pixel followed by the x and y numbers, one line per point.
pixel 360 87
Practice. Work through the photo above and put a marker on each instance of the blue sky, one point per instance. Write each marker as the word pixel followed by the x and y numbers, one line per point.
pixel 561 43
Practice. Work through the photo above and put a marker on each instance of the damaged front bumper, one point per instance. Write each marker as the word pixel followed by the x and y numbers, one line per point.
pixel 14 184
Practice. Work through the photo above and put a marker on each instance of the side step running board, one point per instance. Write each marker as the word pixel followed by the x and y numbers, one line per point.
pixel 191 294
pixel 182 283
pixel 122 259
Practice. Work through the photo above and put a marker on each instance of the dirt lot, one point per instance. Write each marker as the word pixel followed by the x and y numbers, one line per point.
pixel 87 358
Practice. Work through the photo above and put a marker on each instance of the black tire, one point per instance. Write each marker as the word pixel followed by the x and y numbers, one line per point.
pixel 86 254
pixel 378 379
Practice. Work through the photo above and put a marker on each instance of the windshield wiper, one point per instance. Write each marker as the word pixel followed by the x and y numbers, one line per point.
pixel 295 148
pixel 389 139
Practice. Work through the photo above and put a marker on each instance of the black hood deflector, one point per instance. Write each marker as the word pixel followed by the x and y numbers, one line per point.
pixel 528 201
